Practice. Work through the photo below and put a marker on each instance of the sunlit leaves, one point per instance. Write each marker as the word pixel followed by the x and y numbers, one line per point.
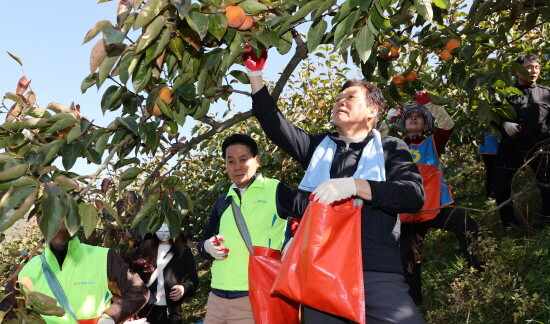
pixel 424 8
pixel 148 13
pixel 88 218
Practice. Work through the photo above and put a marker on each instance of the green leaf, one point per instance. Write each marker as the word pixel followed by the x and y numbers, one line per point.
pixel 164 39
pixel 174 221
pixel 344 28
pixel 130 173
pixel 73 217
pixel 150 34
pixel 324 6
pixel 74 134
pixel 252 7
pixel 88 217
pixel 101 142
pixel 198 22
pixel 15 57
pixel 141 76
pixel 183 202
pixel 148 134
pixel 108 63
pixel 61 124
pixel 113 213
pixel 240 75
pixel 51 149
pixel 443 4
pixel 12 201
pixel 151 9
pixel 70 153
pixel 217 25
pixel 54 207
pixel 128 123
pixel 98 27
pixel 439 100
pixel 315 34
pixel 424 8
pixel 300 14
pixel 112 35
pixel 201 82
pixel 363 43
pixel 183 7
pixel 176 46
pixel 87 82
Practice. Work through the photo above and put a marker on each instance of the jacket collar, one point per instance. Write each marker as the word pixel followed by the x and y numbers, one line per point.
pixel 258 182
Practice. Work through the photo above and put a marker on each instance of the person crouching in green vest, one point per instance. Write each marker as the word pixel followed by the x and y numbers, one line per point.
pixel 265 204
pixel 98 285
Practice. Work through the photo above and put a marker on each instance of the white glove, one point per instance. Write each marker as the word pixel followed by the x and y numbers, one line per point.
pixel 383 129
pixel 512 129
pixel 393 114
pixel 214 248
pixel 105 320
pixel 335 189
pixel 441 116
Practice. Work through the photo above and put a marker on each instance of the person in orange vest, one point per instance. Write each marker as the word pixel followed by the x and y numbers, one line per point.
pixel 417 117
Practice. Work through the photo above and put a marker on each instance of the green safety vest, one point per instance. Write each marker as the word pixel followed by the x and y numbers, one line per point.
pixel 83 277
pixel 266 229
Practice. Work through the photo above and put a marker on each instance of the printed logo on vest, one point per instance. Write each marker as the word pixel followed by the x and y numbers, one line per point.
pixel 415 155
pixel 83 283
pixel 261 201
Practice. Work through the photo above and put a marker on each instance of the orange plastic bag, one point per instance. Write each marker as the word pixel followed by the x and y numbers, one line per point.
pixel 263 267
pixel 323 267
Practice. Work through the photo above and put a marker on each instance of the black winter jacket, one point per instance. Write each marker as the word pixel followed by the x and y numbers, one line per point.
pixel 532 110
pixel 402 191
pixel 180 270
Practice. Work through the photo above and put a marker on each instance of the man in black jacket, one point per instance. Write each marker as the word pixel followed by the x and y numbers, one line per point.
pixel 521 136
pixel 395 187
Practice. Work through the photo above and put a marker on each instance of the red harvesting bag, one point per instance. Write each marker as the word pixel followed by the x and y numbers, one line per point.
pixel 323 267
pixel 263 267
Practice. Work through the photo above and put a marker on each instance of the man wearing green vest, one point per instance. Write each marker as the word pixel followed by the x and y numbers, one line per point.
pixel 97 282
pixel 265 204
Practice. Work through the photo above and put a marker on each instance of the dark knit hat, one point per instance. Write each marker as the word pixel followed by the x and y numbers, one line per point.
pixel 411 106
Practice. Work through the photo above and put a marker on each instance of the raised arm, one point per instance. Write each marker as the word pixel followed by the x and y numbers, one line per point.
pixel 291 139
pixel 129 292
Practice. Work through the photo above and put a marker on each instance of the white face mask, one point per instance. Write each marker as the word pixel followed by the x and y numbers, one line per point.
pixel 163 233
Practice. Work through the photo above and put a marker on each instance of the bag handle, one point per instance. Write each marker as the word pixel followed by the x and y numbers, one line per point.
pixel 241 225
pixel 56 288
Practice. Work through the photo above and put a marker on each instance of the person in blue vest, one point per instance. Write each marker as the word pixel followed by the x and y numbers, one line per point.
pixel 265 204
pixel 97 283
pixel 417 117
pixel 354 161
pixel 488 151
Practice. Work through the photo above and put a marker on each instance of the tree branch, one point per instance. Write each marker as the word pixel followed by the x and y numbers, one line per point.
pixel 299 55
pixel 181 148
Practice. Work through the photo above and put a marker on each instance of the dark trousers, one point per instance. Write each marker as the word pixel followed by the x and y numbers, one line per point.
pixel 386 301
pixel 489 163
pixel 451 219
pixel 159 315
pixel 506 166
